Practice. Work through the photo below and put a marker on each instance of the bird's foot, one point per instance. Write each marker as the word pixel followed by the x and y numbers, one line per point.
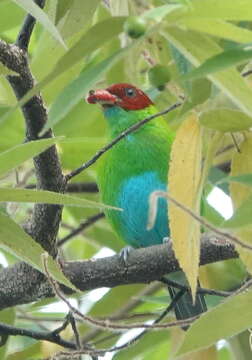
pixel 124 253
pixel 166 240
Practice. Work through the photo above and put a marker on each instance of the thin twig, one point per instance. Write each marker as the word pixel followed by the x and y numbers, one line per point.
pixel 244 287
pixel 84 225
pixel 107 324
pixel 136 338
pixel 160 318
pixel 125 309
pixel 126 132
pixel 152 216
pixel 235 142
pixel 63 326
pixel 247 73
pixel 51 336
pixel 75 330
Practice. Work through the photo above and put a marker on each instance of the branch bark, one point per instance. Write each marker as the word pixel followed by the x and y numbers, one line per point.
pixel 44 223
pixel 21 284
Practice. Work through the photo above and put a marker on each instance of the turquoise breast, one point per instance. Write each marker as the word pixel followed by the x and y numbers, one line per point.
pixel 134 200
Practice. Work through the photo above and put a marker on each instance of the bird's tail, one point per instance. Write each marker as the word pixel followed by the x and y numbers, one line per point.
pixel 184 307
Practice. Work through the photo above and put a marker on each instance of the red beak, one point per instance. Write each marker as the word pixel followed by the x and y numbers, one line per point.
pixel 102 97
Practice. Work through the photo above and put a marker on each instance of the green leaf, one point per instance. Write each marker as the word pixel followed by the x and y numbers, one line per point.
pixel 16 241
pixel 30 352
pixel 7 316
pixel 8 22
pixel 158 13
pixel 245 179
pixel 33 9
pixel 79 15
pixel 197 48
pixel 220 62
pixel 224 10
pixel 47 197
pixel 152 346
pixel 62 8
pixel 156 299
pixel 225 120
pixel 210 214
pixel 92 40
pixel 5 71
pixel 227 319
pixel 218 28
pixel 241 217
pixel 15 156
pixel 78 88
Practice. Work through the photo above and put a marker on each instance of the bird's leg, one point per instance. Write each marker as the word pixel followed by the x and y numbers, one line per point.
pixel 124 253
pixel 166 240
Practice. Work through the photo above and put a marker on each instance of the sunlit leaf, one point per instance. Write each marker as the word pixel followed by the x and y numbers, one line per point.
pixel 46 197
pixel 78 89
pixel 79 14
pixel 33 9
pixel 15 156
pixel 242 215
pixel 225 120
pixel 197 48
pixel 218 28
pixel 93 39
pixel 186 158
pixel 7 316
pixel 28 352
pixel 217 323
pixel 220 62
pixel 224 10
pixel 158 13
pixel 14 240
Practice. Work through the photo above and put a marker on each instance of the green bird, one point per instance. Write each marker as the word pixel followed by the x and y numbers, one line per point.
pixel 132 169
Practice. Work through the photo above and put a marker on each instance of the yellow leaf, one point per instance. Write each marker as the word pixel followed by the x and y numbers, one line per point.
pixel 242 164
pixel 183 185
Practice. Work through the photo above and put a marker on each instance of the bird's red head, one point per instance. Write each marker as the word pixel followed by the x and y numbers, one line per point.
pixel 125 96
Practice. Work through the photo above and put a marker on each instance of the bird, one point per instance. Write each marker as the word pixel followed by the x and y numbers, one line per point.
pixel 131 170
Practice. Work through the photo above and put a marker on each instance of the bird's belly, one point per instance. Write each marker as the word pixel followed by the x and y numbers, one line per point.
pixel 133 198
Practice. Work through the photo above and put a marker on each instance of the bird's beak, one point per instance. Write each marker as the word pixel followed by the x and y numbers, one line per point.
pixel 102 97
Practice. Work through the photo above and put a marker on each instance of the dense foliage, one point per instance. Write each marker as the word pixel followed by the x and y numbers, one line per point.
pixel 196 52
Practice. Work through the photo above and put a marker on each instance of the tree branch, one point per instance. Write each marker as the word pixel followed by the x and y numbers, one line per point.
pixel 44 223
pixel 21 284
pixel 51 336
pixel 24 35
pixel 83 225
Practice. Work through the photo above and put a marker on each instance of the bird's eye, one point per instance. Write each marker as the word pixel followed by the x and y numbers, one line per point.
pixel 130 92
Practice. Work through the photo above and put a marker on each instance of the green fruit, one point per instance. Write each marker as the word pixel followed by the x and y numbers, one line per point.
pixel 134 27
pixel 159 75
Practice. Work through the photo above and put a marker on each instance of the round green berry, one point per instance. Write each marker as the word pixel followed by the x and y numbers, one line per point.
pixel 134 27
pixel 159 75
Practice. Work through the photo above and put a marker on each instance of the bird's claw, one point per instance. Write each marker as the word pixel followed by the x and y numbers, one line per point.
pixel 124 253
pixel 166 240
